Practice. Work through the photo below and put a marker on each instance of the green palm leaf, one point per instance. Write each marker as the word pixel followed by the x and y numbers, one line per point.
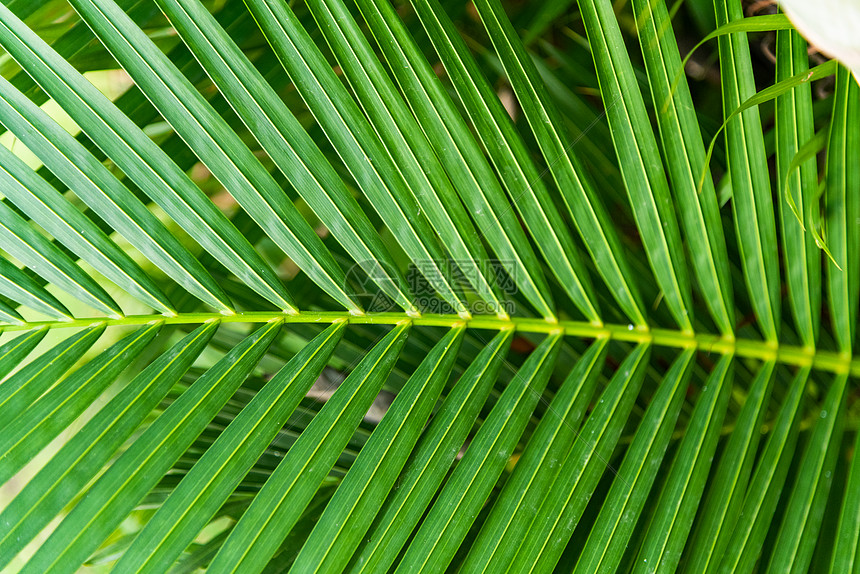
pixel 385 286
pixel 794 127
pixel 752 198
pixel 341 528
pixel 843 209
pixel 127 146
pixel 539 464
pixel 263 526
pixel 70 469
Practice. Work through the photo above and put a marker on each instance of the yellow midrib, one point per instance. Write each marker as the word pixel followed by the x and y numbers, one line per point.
pixel 821 360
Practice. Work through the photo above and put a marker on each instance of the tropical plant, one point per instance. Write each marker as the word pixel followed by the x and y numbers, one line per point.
pixel 332 286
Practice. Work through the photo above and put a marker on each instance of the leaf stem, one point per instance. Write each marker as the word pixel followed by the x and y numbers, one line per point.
pixel 748 348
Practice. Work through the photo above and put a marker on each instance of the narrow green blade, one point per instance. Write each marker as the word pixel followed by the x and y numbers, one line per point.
pixel 795 127
pixel 763 23
pixel 461 156
pixel 40 423
pixel 726 495
pixel 798 533
pixel 215 476
pixel 623 505
pixel 847 544
pixel 519 174
pixel 685 160
pixel 216 144
pixel 554 521
pixel 279 504
pixel 385 174
pixel 72 45
pixel 71 228
pixel 752 203
pixel 286 141
pixel 747 537
pixel 105 194
pixel 40 255
pixel 405 138
pixel 552 138
pixel 842 200
pixel 429 463
pixel 639 158
pixel 10 315
pixel 469 486
pixel 537 467
pixel 667 532
pixel 350 513
pixel 86 453
pixel 139 156
pixel 19 391
pixel 20 287
pixel 545 123
pixel 13 352
pixel 138 470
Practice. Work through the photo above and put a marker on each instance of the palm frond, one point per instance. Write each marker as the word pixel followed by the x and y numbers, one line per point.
pixel 369 287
